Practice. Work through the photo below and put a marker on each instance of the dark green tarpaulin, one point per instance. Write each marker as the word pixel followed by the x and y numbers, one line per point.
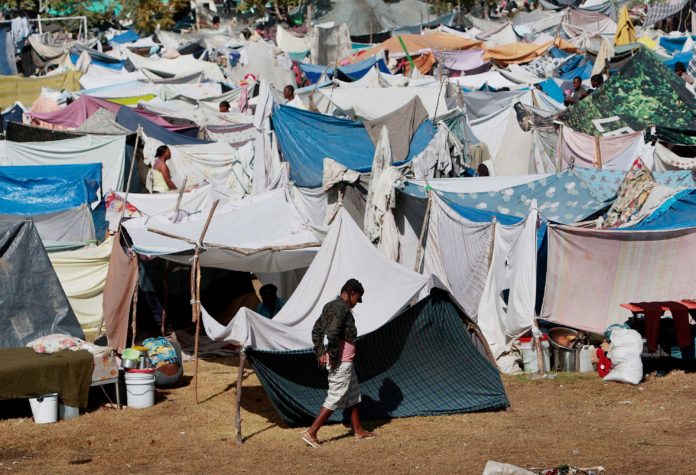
pixel 424 362
pixel 642 94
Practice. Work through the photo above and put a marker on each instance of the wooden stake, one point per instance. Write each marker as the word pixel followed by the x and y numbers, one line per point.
pixel 559 151
pixel 238 397
pixel 196 296
pixel 424 226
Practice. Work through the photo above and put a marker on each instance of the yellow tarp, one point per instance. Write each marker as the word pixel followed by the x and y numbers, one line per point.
pixel 131 101
pixel 82 275
pixel 647 41
pixel 418 43
pixel 517 53
pixel 625 31
pixel 27 90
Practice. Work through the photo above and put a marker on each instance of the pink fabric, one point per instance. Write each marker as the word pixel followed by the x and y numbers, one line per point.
pixel 617 153
pixel 463 60
pixel 72 116
pixel 346 351
pixel 590 273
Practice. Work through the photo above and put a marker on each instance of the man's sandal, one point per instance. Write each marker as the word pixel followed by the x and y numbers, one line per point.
pixel 365 435
pixel 311 441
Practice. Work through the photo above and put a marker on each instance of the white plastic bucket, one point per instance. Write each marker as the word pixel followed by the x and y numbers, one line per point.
pixel 45 408
pixel 529 354
pixel 140 388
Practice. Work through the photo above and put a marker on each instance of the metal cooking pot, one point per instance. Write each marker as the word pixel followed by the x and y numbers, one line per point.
pixel 129 364
pixel 566 357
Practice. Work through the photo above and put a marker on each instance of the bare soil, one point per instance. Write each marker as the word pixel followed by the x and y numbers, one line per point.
pixel 573 419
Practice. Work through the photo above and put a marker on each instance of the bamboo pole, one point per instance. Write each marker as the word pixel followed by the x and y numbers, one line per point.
pixel 130 174
pixel 238 399
pixel 424 226
pixel 196 298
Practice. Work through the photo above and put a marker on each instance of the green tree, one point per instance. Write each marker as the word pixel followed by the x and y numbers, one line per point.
pixel 147 14
pixel 26 5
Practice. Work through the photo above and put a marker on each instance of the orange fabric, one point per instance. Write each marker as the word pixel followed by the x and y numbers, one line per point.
pixel 517 53
pixel 418 43
pixel 424 63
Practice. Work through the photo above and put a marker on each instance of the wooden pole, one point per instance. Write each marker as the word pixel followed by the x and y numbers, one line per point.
pixel 134 313
pixel 424 226
pixel 196 295
pixel 598 153
pixel 181 195
pixel 130 174
pixel 238 398
pixel 559 151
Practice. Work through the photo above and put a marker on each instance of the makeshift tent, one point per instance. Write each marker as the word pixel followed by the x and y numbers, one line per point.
pixel 27 90
pixel 182 66
pixel 367 17
pixel 14 114
pixel 468 61
pixel 108 150
pixel 82 274
pixel 613 153
pixel 130 119
pixel 128 36
pixel 517 53
pixel 625 31
pixel 371 103
pixel 642 94
pixel 32 302
pixel 417 44
pixel 391 339
pixel 591 272
pixel 676 213
pixel 307 138
pixel 561 197
pixel 237 238
pixel 349 72
pixel 604 183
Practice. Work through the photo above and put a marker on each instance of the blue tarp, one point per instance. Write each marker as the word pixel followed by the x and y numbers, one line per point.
pixel 556 52
pixel 130 120
pixel 561 198
pixel 577 66
pixel 676 213
pixel 13 114
pixel 116 66
pixel 673 44
pixel 351 72
pixel 605 183
pixel 129 36
pixel 553 90
pixel 32 190
pixel 306 138
pixel 680 57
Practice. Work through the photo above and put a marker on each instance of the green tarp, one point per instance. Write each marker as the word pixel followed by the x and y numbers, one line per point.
pixel 642 94
pixel 424 362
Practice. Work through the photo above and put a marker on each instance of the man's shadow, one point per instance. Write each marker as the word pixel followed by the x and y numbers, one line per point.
pixel 378 412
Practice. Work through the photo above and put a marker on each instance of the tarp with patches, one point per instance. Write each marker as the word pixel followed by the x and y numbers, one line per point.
pixel 307 138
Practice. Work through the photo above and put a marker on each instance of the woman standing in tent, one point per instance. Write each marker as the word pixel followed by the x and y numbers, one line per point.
pixel 161 178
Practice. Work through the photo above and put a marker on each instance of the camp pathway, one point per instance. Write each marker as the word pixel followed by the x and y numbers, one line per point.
pixel 574 419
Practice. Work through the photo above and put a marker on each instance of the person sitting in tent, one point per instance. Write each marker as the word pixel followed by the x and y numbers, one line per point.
pixel 680 69
pixel 291 98
pixel 161 179
pixel 224 106
pixel 597 80
pixel 577 94
pixel 337 324
pixel 270 302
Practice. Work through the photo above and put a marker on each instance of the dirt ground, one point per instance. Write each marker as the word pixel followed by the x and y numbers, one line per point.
pixel 573 419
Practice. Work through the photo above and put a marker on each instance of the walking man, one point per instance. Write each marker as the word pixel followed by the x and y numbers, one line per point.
pixel 337 324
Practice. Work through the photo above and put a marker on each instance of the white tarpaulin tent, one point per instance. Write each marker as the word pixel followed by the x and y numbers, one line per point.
pixel 260 233
pixel 371 103
pixel 346 253
pixel 108 150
